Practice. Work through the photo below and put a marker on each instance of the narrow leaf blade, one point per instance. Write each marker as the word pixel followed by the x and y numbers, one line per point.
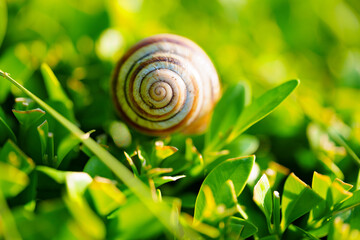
pixel 263 106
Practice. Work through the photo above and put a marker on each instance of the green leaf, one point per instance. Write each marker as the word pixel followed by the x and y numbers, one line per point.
pixel 237 170
pixel 162 152
pixel 320 185
pixel 333 193
pixel 43 131
pixel 11 154
pixel 242 146
pixel 28 132
pixel 122 223
pixel 76 184
pixel 80 211
pixel 337 193
pixel 54 89
pixel 242 226
pixel 3 20
pixel 351 202
pixel 65 147
pixel 263 197
pixel 297 199
pixel 270 237
pixel 226 112
pixel 29 117
pixel 12 180
pixel 262 106
pixel 94 167
pixel 106 197
pixel 166 179
pixel 307 234
pixel 58 176
pixel 132 164
pixel 322 230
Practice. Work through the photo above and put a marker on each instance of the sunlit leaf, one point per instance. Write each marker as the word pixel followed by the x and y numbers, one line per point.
pixel 122 222
pixel 262 106
pixel 76 184
pixel 320 185
pixel 194 157
pixel 132 164
pixel 263 197
pixel 295 194
pixel 12 154
pixel 12 180
pixel 106 197
pixel 162 151
pixel 337 193
pixel 351 202
pixel 93 225
pixel 58 176
pixel 237 170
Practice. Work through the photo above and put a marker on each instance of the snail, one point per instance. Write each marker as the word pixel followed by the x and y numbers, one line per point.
pixel 165 84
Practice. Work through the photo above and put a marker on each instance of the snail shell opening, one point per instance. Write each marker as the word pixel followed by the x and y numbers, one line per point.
pixel 165 84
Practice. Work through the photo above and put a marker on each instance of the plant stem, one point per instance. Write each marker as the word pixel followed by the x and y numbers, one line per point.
pixel 276 213
pixel 241 211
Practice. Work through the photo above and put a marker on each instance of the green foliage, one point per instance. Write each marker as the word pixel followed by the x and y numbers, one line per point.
pixel 263 197
pixel 295 194
pixel 3 20
pixel 71 169
pixel 221 188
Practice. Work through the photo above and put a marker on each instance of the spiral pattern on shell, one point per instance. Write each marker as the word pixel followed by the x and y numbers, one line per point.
pixel 165 84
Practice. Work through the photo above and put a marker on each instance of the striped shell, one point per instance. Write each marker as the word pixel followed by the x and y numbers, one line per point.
pixel 165 84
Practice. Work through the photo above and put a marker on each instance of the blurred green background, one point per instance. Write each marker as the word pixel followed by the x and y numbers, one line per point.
pixel 261 42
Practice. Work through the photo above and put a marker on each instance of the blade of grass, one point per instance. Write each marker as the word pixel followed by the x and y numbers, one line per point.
pixel 161 211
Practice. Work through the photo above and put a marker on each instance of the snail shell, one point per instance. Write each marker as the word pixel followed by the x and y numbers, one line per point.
pixel 165 84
